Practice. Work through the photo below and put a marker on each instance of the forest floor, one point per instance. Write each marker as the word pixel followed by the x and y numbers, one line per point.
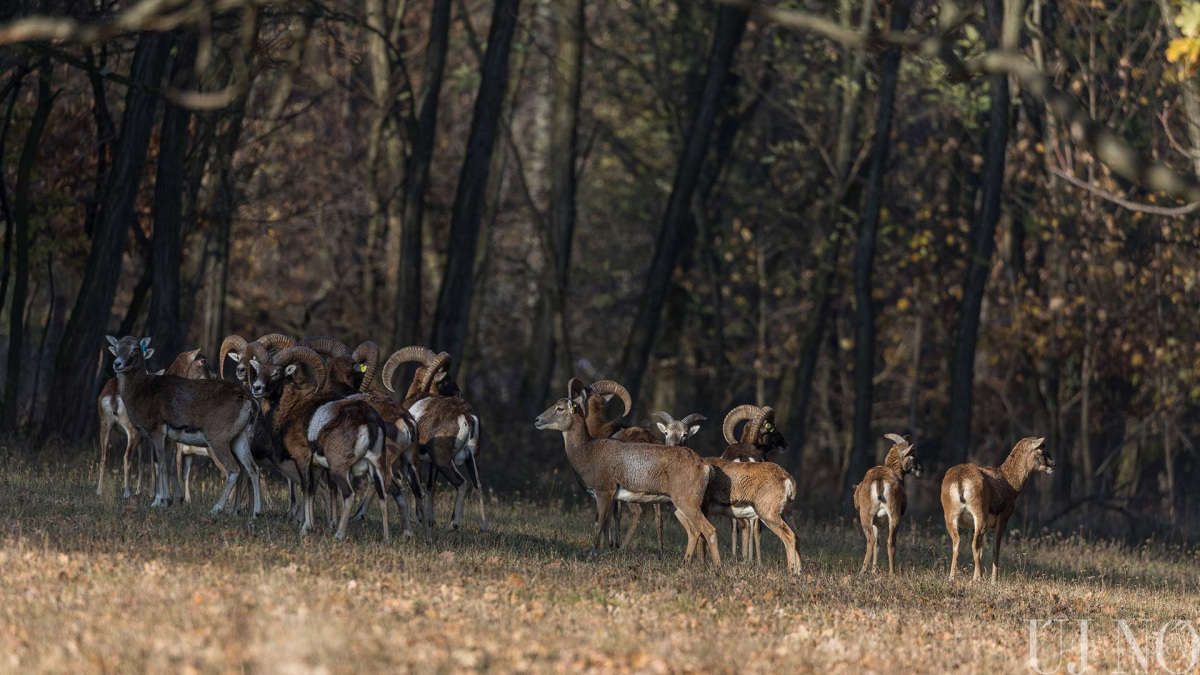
pixel 100 583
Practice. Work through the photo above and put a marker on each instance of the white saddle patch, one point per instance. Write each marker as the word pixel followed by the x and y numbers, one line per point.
pixel 418 408
pixel 321 418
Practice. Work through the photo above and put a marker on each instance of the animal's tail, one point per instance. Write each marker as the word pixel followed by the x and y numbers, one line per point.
pixel 374 437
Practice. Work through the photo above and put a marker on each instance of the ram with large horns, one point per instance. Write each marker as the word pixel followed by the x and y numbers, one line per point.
pixel 263 447
pixel 350 374
pixel 746 485
pixel 448 429
pixel 316 430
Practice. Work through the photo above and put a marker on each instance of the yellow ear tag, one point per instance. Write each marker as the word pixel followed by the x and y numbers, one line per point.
pixel 363 367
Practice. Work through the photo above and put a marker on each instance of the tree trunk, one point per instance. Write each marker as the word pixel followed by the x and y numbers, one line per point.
pixel 408 290
pixel 542 352
pixel 864 260
pixel 9 223
pixel 21 208
pixel 731 25
pixel 454 299
pixel 74 381
pixel 216 247
pixel 166 256
pixel 982 243
pixel 795 399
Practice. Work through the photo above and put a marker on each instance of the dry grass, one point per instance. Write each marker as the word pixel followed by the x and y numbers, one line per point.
pixel 93 583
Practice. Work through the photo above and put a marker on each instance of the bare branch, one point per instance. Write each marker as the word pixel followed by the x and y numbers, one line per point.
pixel 1173 211
pixel 147 15
pixel 1115 152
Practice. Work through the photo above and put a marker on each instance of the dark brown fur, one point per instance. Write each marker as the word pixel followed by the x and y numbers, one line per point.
pixel 217 413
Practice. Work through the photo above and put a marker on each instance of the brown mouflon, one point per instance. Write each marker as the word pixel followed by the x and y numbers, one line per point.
pixel 641 472
pixel 987 497
pixel 880 499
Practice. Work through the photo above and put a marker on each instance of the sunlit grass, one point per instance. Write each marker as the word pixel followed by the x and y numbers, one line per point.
pixel 103 583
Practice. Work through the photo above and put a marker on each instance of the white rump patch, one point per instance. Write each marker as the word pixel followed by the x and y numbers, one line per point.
pixel 418 408
pixel 624 495
pixel 462 441
pixel 743 512
pixel 320 419
pixel 363 445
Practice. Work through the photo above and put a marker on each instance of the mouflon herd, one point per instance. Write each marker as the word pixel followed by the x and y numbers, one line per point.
pixel 307 410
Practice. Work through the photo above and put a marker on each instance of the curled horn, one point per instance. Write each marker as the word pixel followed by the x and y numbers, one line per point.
pixel 738 414
pixel 368 353
pixel 606 387
pixel 422 355
pixel 275 342
pixel 665 417
pixel 304 355
pixel 694 417
pixel 896 439
pixel 761 417
pixel 440 362
pixel 233 343
pixel 325 346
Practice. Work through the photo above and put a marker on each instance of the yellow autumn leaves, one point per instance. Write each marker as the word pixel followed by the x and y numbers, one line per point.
pixel 1186 50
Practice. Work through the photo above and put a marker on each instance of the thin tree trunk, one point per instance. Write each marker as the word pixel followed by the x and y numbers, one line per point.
pixel 378 185
pixel 982 240
pixel 40 357
pixel 21 207
pixel 731 25
pixel 136 301
pixel 864 261
pixel 795 399
pixel 454 299
pixel 542 352
pixel 9 223
pixel 216 248
pixel 106 135
pixel 408 290
pixel 166 258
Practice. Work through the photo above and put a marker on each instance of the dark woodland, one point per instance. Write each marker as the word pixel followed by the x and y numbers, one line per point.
pixel 965 224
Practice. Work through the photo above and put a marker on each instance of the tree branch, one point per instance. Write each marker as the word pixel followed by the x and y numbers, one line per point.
pixel 1113 151
pixel 1173 211
pixel 147 15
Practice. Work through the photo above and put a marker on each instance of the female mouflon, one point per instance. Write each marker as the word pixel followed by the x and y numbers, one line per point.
pixel 880 499
pixel 989 496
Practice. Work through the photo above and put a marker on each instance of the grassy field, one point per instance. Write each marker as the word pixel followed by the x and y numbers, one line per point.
pixel 93 583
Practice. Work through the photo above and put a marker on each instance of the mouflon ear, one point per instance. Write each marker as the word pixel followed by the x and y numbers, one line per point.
pixel 693 430
pixel 663 428
pixel 112 344
pixel 576 392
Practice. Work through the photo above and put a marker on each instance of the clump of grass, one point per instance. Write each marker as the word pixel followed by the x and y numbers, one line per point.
pixel 93 583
